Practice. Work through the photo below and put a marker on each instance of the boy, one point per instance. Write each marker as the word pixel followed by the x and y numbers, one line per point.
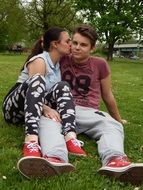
pixel 90 79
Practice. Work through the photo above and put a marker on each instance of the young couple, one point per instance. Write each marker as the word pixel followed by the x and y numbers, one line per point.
pixel 53 115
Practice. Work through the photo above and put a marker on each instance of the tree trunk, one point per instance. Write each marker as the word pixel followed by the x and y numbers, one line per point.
pixel 110 52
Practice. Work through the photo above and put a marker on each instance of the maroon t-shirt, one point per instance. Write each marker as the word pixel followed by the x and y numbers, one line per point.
pixel 84 79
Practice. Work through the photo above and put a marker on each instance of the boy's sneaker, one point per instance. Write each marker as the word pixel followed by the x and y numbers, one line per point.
pixel 119 162
pixel 115 166
pixel 31 149
pixel 122 169
pixel 74 147
pixel 59 166
pixel 36 167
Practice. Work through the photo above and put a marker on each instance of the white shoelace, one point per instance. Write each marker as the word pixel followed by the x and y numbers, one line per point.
pixel 33 147
pixel 77 142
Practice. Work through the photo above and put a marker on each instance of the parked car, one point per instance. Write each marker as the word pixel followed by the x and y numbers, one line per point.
pixel 134 57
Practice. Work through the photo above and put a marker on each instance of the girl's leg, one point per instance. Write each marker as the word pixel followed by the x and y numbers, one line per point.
pixel 33 104
pixel 25 103
pixel 61 99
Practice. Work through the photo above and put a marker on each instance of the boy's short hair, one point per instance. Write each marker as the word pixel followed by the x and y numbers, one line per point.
pixel 87 31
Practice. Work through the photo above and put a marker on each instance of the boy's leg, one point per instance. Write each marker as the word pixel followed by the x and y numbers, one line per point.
pixel 104 129
pixel 51 140
pixel 109 135
pixel 54 152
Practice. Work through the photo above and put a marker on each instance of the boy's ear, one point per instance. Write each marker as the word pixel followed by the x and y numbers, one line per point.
pixel 93 49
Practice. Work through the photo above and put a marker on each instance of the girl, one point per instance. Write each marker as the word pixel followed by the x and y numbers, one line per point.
pixel 39 90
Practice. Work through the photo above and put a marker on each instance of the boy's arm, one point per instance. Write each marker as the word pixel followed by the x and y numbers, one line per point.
pixel 109 99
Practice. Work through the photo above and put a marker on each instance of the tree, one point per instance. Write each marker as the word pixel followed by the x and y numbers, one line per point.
pixel 45 13
pixel 12 22
pixel 114 19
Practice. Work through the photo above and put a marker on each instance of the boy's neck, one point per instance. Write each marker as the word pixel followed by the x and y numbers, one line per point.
pixel 80 61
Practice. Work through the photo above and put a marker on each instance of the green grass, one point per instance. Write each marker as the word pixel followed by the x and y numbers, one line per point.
pixel 127 81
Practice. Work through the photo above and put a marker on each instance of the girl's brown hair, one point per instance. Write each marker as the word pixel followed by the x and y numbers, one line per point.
pixel 52 34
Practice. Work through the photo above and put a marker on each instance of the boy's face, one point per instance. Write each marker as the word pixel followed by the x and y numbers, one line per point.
pixel 80 47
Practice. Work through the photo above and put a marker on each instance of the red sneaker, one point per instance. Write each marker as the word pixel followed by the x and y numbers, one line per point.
pixel 31 149
pixel 74 147
pixel 119 162
pixel 38 167
pixel 53 159
pixel 58 165
pixel 123 170
pixel 35 167
pixel 115 167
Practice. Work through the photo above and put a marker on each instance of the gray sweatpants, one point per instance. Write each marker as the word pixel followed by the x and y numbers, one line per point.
pixel 98 125
pixel 51 139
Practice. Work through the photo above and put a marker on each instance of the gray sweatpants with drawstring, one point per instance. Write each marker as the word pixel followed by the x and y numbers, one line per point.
pixel 98 125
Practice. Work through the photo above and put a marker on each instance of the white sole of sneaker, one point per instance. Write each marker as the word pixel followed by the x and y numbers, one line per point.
pixel 36 167
pixel 74 154
pixel 61 167
pixel 132 173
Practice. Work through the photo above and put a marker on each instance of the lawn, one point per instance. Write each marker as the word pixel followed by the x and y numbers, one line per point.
pixel 127 82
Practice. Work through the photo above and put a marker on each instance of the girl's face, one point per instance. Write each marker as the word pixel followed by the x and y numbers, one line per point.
pixel 64 44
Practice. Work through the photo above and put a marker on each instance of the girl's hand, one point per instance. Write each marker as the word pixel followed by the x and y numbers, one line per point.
pixel 51 113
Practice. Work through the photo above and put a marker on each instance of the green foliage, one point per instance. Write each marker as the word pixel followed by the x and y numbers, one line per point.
pixel 115 19
pixel 128 89
pixel 43 14
pixel 12 23
pixel 3 36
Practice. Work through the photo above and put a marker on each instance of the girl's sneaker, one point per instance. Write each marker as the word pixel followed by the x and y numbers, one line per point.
pixel 74 147
pixel 31 148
